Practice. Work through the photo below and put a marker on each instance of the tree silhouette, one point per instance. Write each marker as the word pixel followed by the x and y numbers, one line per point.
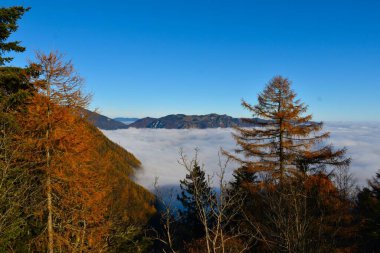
pixel 368 205
pixel 188 198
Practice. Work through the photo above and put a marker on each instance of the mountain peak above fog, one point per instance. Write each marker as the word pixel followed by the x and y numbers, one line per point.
pixel 182 121
pixel 173 121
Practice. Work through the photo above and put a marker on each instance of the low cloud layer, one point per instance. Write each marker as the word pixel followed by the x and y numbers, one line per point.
pixel 158 149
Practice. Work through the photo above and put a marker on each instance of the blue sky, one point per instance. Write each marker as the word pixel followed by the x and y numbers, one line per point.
pixel 158 57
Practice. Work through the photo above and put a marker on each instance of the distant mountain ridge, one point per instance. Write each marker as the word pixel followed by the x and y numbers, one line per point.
pixel 182 121
pixel 173 121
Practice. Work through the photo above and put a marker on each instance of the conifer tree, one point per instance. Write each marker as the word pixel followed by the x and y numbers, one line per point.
pixel 368 205
pixel 288 142
pixel 194 187
pixel 286 152
pixel 243 177
pixel 215 211
pixel 8 25
pixel 62 153
pixel 14 181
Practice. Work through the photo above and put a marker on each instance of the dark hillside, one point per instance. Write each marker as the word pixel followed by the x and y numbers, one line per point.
pixel 182 121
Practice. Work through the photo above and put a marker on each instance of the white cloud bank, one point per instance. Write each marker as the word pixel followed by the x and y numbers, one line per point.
pixel 158 149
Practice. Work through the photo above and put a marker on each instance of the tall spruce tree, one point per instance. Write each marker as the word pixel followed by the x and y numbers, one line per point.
pixel 8 24
pixel 194 187
pixel 369 209
pixel 288 142
pixel 13 177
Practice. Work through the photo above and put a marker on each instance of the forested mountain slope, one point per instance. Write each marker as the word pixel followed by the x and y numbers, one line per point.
pixel 182 121
pixel 47 145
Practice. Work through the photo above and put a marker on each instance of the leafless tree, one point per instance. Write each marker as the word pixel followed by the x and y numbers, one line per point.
pixel 345 183
pixel 168 218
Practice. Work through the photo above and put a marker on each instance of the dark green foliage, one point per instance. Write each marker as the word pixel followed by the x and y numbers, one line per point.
pixel 8 25
pixel 368 205
pixel 130 240
pixel 194 186
pixel 15 181
pixel 243 177
pixel 13 80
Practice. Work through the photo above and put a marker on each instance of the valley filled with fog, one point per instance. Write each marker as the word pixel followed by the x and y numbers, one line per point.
pixel 158 149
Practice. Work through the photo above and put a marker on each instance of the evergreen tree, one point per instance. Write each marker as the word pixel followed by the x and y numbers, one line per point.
pixel 14 180
pixel 369 209
pixel 243 177
pixel 8 25
pixel 193 187
pixel 287 142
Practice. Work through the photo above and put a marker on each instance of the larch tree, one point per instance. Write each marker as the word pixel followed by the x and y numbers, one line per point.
pixel 63 156
pixel 278 161
pixel 288 141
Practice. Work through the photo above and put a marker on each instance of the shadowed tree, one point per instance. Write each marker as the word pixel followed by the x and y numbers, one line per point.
pixel 189 215
pixel 368 205
pixel 14 180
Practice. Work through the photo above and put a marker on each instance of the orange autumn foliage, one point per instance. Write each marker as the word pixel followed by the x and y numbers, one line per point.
pixel 287 142
pixel 82 188
pixel 79 187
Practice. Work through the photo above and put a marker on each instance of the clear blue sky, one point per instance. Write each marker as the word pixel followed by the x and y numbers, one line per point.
pixel 157 57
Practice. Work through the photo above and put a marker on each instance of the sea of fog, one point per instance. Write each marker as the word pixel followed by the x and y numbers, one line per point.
pixel 158 149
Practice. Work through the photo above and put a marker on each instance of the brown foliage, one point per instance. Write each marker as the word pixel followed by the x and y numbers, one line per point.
pixel 77 186
pixel 287 143
pixel 59 134
pixel 74 191
pixel 291 201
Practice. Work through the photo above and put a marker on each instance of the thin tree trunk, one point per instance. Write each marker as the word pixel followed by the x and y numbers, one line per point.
pixel 281 155
pixel 50 214
pixel 83 237
pixel 48 180
pixel 281 139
